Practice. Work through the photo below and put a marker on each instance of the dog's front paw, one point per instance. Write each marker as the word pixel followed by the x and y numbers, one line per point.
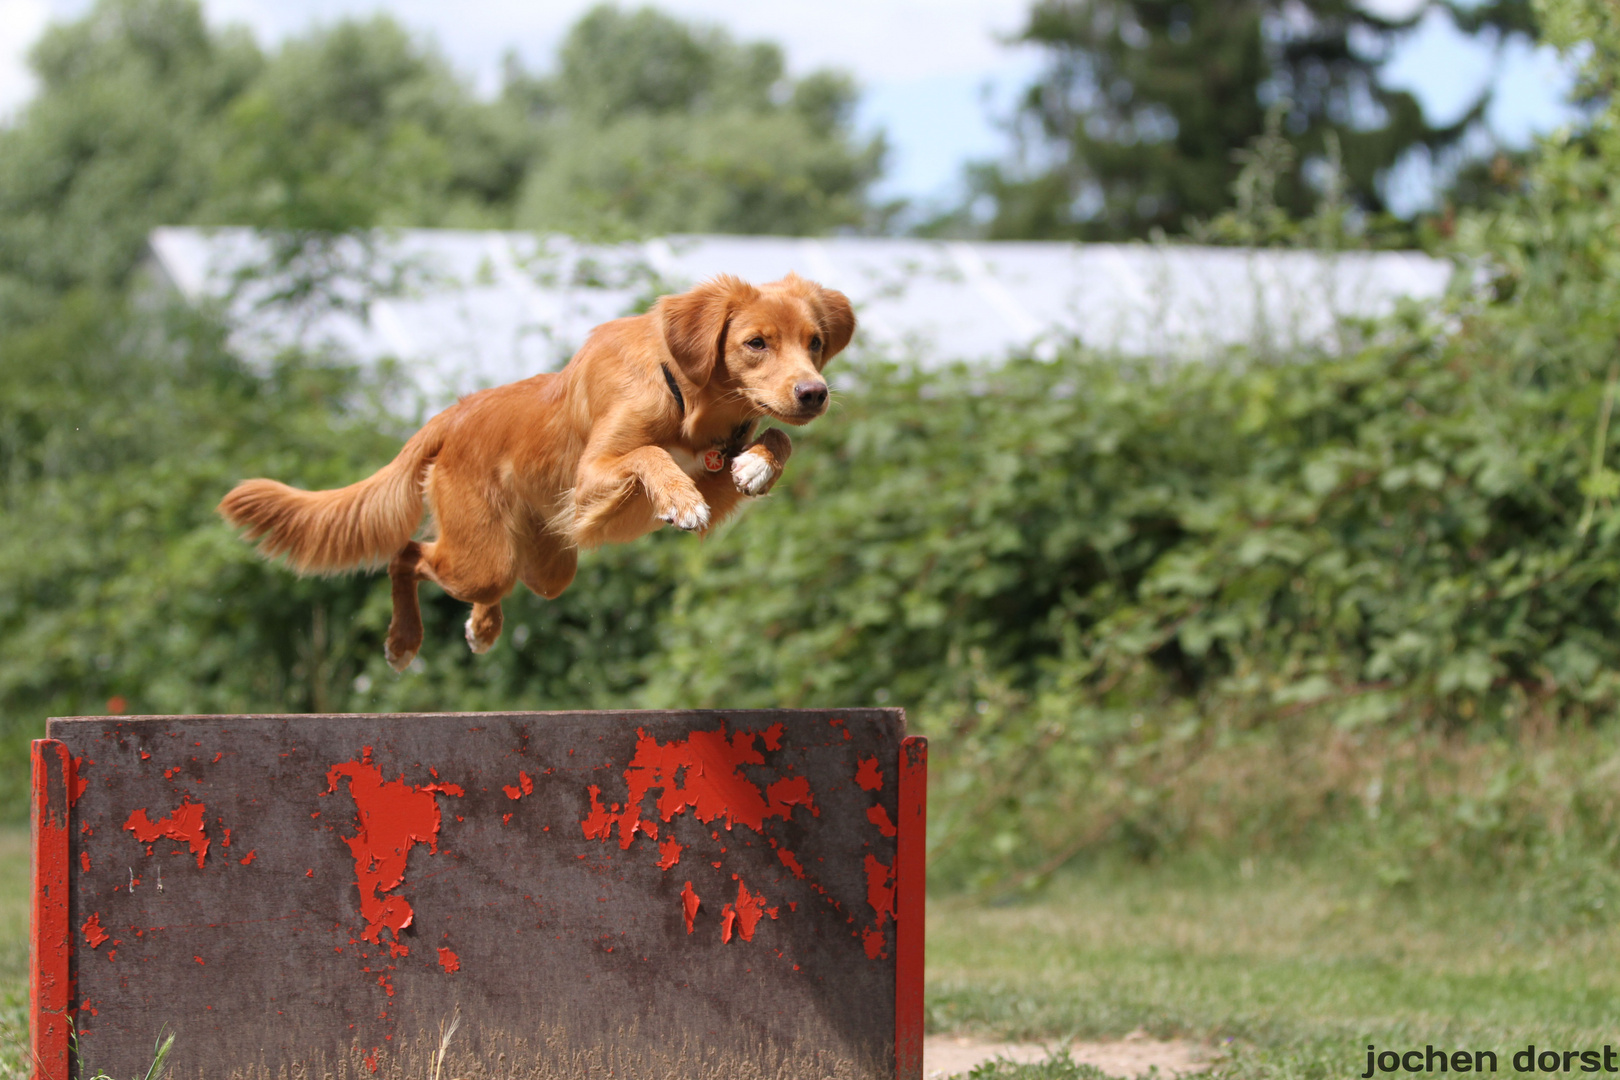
pixel 753 473
pixel 691 516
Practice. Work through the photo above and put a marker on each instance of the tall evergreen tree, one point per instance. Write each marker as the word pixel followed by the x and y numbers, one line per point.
pixel 1142 113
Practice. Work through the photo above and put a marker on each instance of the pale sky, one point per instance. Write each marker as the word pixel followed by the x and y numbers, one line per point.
pixel 934 72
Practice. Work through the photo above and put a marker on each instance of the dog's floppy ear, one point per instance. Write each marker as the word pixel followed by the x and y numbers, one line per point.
pixel 695 323
pixel 837 319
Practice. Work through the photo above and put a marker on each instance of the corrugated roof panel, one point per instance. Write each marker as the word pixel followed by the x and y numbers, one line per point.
pixel 461 309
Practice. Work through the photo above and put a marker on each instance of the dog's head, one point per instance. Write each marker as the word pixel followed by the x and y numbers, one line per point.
pixel 764 347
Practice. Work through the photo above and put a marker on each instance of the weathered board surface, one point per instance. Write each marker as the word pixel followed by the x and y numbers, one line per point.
pixel 656 894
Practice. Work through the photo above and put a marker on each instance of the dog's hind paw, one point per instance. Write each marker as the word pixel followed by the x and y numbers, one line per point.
pixel 691 519
pixel 475 643
pixel 752 473
pixel 400 659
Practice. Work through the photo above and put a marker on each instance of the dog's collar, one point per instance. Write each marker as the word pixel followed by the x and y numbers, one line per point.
pixel 733 444
pixel 674 388
pixel 724 451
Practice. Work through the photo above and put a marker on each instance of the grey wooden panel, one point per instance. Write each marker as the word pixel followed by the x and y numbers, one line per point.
pixel 250 840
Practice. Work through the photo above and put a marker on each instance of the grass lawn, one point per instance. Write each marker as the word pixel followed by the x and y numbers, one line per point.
pixel 14 888
pixel 1290 972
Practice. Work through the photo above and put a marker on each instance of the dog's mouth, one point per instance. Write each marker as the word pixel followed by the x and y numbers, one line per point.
pixel 798 416
pixel 790 412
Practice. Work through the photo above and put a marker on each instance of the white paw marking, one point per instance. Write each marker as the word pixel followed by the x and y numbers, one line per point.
pixel 472 640
pixel 752 473
pixel 399 662
pixel 691 519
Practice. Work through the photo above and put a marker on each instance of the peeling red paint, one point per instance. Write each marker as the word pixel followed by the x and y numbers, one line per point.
pixel 226 842
pixel 790 860
pixel 728 919
pixel 523 787
pixel 880 817
pixel 880 896
pixel 198 959
pixel 792 791
pixel 750 909
pixel 598 824
pixel 244 860
pixel 93 933
pixel 869 776
pixel 689 905
pixel 84 861
pixel 879 888
pixel 449 961
pixel 388 987
pixel 371 1059
pixel 185 826
pixel 669 852
pixel 393 817
pixel 77 789
pixel 703 773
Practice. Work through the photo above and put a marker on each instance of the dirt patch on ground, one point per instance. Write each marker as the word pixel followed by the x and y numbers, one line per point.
pixel 953 1055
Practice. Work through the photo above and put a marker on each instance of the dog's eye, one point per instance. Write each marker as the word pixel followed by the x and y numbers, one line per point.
pixel 815 344
pixel 756 343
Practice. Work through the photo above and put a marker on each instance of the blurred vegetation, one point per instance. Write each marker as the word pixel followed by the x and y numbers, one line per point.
pixel 651 125
pixel 145 116
pixel 1145 110
pixel 1144 609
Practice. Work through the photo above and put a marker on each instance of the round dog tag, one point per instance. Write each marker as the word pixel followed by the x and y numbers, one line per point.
pixel 714 460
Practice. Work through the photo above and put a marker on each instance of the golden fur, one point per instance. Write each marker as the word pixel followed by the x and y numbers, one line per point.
pixel 522 476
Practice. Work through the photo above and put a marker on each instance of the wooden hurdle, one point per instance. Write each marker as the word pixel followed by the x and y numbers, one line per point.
pixel 698 894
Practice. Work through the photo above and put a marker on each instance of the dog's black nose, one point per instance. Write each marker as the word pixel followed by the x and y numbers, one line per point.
pixel 811 395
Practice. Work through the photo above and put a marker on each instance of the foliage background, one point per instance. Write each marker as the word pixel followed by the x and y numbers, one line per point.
pixel 1361 603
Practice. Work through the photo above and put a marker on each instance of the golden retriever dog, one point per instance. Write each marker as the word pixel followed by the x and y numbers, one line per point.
pixel 652 422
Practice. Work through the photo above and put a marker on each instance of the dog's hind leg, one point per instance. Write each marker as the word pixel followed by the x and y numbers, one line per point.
pixel 405 629
pixel 548 566
pixel 472 560
pixel 481 580
pixel 545 565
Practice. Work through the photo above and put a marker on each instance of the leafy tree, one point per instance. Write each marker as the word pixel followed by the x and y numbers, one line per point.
pixel 121 136
pixel 356 126
pixel 145 117
pixel 1144 109
pixel 650 125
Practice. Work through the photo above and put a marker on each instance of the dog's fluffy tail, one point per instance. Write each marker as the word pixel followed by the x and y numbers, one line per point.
pixel 326 532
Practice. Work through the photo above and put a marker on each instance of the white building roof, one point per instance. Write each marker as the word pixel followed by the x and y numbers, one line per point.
pixel 461 310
